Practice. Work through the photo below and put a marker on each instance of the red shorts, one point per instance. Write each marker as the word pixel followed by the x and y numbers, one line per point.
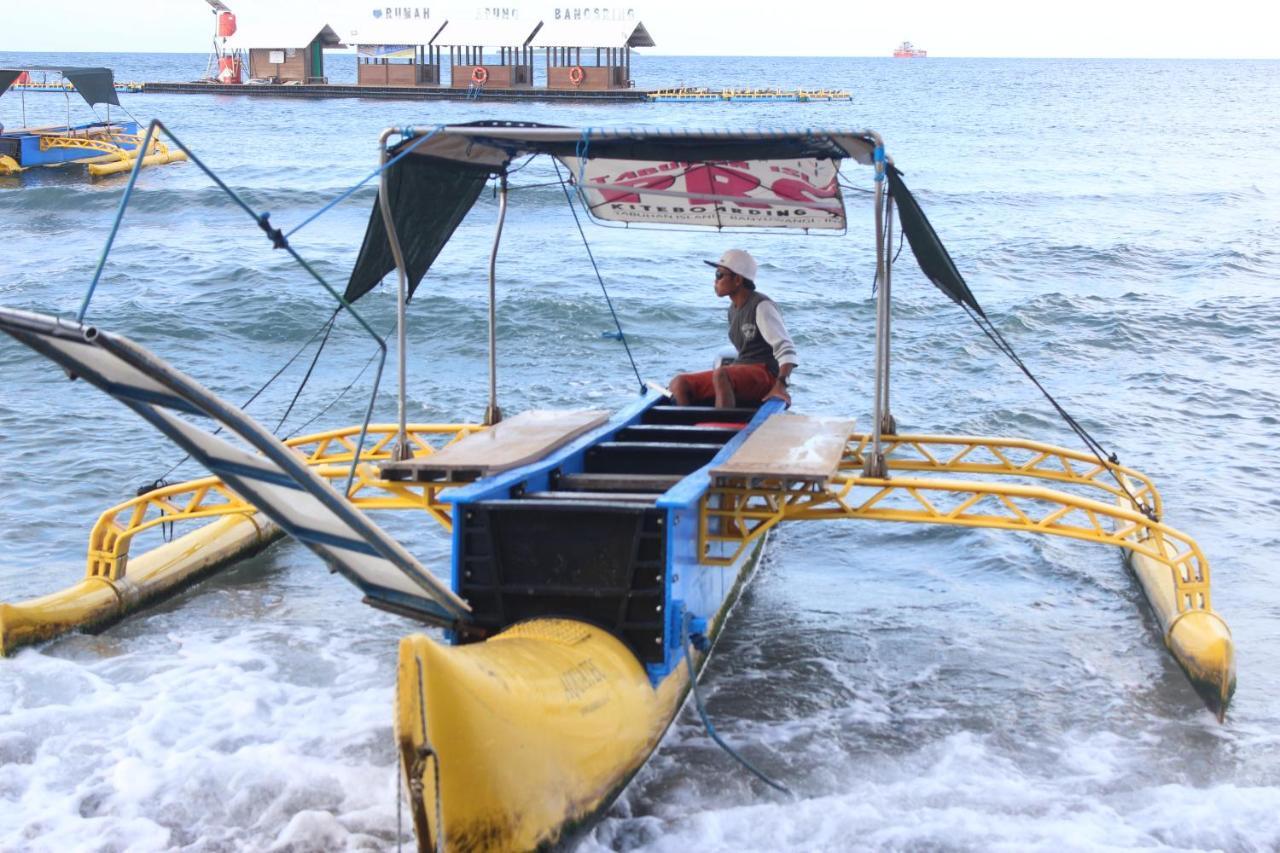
pixel 750 383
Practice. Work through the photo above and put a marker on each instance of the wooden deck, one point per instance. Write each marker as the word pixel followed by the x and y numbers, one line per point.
pixel 520 440
pixel 790 447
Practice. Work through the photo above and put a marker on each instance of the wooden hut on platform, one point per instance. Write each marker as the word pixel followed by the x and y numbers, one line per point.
pixel 607 45
pixel 285 50
pixel 508 63
pixel 394 51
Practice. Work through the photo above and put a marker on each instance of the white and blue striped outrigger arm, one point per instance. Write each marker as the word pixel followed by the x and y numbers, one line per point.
pixel 277 482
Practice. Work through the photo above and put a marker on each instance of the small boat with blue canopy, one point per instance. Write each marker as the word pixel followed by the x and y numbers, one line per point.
pixel 596 555
pixel 104 146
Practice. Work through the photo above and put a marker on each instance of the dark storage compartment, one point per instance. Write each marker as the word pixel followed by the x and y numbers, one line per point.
pixel 598 562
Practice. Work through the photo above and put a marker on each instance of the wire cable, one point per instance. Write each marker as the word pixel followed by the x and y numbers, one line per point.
pixel 618 323
pixel 324 329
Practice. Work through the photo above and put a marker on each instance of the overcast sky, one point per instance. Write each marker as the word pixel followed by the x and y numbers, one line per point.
pixel 1230 29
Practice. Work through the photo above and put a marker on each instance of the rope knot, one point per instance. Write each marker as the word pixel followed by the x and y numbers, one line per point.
pixel 276 236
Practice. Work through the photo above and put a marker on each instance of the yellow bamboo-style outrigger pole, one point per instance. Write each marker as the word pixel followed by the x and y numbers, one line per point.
pixel 114 585
pixel 1172 569
pixel 115 157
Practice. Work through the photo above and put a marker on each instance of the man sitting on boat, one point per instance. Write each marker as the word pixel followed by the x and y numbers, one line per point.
pixel 765 354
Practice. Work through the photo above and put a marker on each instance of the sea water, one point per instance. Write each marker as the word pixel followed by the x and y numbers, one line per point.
pixel 918 688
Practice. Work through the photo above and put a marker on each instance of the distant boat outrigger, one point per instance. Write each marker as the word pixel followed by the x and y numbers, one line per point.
pixel 907 50
pixel 595 556
pixel 105 147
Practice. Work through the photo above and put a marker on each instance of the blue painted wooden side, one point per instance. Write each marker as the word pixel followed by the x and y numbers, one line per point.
pixel 29 153
pixel 693 588
pixel 536 476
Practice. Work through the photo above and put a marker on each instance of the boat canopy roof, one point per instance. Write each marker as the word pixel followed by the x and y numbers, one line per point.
pixel 95 85
pixel 761 178
pixel 584 33
pixel 487 32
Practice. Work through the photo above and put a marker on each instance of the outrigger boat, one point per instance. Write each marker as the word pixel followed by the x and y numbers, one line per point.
pixel 595 557
pixel 105 147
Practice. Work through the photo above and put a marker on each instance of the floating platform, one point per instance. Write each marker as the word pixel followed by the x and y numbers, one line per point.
pixel 67 87
pixel 695 95
pixel 411 93
pixel 477 93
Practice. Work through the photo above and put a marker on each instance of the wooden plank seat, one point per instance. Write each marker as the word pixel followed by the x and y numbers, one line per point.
pixel 790 447
pixel 520 440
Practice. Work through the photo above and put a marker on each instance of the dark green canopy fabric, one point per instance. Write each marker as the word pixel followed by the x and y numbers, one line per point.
pixel 428 199
pixel 444 169
pixel 934 259
pixel 95 85
pixel 432 192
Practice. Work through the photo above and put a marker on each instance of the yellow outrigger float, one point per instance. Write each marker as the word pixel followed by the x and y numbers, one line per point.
pixel 595 556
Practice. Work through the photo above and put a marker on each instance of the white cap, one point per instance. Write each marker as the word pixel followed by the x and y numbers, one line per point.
pixel 739 261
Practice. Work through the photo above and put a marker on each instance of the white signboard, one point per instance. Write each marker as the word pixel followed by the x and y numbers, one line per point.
pixel 718 194
pixel 275 57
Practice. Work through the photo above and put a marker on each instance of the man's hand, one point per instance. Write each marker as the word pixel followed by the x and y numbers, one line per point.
pixel 779 392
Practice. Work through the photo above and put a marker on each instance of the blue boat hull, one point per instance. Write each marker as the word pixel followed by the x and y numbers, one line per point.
pixel 24 144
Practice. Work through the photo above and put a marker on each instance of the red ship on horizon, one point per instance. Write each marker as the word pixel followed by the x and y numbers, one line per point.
pixel 907 50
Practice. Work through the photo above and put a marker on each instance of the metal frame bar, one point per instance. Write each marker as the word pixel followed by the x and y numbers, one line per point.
pixel 493 414
pixel 738 512
pixel 329 452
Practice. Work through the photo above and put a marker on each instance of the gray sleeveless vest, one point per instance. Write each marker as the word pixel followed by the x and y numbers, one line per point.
pixel 745 336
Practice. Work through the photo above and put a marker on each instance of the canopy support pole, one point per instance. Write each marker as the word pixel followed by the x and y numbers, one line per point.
pixel 874 464
pixel 402 449
pixel 493 414
pixel 887 424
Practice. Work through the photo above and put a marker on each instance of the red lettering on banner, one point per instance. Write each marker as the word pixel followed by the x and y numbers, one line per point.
pixel 803 190
pixel 716 180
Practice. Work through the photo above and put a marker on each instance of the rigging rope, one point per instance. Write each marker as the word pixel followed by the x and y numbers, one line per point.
pixel 706 720
pixel 618 323
pixel 341 393
pixel 1107 459
pixel 325 328
pixel 375 173
pixel 278 241
pixel 310 369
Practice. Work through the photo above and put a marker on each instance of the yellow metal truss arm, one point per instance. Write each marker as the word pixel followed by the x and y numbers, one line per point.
pixel 737 512
pixel 209 497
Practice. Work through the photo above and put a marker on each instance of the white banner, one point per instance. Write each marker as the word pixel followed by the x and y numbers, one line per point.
pixel 716 194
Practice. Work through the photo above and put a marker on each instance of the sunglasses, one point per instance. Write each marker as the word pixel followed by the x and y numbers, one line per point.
pixel 722 273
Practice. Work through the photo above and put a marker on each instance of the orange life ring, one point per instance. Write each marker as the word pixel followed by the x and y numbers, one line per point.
pixel 480 75
pixel 577 75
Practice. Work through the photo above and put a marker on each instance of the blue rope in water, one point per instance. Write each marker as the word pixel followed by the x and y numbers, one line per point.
pixel 706 720
pixel 616 322
pixel 375 173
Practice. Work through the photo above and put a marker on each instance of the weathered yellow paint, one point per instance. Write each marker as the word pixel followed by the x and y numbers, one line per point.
pixel 117 583
pixel 1196 636
pixel 97 601
pixel 159 159
pixel 528 733
pixel 1173 571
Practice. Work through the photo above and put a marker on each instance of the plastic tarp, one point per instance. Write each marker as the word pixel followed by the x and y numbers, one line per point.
pixel 95 85
pixel 934 259
pixel 428 200
pixel 794 193
pixel 770 178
